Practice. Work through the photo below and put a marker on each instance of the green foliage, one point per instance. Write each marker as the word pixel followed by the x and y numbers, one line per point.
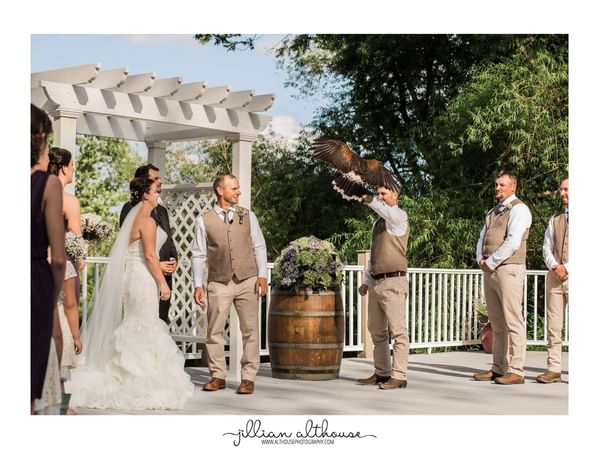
pixel 103 170
pixel 444 112
pixel 229 41
pixel 197 162
pixel 292 194
pixel 357 238
pixel 512 115
pixel 439 236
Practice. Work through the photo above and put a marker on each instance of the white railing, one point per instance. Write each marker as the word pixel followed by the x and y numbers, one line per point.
pixel 440 309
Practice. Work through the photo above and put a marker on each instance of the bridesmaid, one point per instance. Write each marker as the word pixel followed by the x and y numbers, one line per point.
pixel 61 165
pixel 47 230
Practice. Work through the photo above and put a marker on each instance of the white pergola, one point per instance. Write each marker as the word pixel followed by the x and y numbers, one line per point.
pixel 112 103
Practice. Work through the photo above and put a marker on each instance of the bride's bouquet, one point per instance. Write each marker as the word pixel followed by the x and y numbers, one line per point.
pixel 93 228
pixel 74 246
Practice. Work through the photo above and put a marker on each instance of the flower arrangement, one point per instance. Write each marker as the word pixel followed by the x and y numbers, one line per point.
pixel 93 228
pixel 74 246
pixel 307 263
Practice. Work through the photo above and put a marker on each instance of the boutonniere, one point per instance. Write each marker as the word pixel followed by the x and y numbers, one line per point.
pixel 241 214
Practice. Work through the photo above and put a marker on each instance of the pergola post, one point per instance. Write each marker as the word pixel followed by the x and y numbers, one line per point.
pixel 65 133
pixel 241 167
pixel 157 155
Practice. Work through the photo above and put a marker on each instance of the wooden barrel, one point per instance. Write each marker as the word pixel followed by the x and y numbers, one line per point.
pixel 306 334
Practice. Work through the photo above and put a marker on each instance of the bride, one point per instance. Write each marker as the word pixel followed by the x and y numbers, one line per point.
pixel 129 359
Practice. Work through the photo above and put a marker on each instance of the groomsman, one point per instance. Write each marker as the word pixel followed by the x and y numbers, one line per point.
pixel 386 283
pixel 556 256
pixel 168 252
pixel 228 239
pixel 501 253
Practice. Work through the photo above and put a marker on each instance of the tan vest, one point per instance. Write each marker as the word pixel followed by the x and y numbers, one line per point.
pixel 388 252
pixel 229 247
pixel 495 233
pixel 561 238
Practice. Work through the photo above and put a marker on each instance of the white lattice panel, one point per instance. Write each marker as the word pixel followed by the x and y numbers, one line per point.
pixel 185 203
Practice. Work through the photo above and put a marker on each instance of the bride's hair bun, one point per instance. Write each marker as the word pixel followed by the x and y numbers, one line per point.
pixel 138 187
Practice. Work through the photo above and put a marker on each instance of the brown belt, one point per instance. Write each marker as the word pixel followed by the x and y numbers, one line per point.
pixel 379 276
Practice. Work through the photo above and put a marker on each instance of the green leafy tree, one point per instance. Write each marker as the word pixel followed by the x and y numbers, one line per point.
pixel 104 168
pixel 197 162
pixel 445 113
pixel 511 115
pixel 292 194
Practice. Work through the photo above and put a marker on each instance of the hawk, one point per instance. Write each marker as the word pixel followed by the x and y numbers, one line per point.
pixel 357 173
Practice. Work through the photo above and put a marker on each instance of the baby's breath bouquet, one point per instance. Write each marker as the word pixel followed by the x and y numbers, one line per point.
pixel 307 263
pixel 94 228
pixel 74 246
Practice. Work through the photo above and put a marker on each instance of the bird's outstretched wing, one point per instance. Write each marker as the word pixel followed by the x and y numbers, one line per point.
pixel 335 153
pixel 361 171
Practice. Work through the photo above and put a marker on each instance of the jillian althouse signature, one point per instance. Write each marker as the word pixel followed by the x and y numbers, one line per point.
pixel 312 430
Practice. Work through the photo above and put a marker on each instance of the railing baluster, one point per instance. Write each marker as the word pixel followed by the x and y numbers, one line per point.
pixel 351 291
pixel 452 280
pixel 535 308
pixel 413 290
pixel 445 308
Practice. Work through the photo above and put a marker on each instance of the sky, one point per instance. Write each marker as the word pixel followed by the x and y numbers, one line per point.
pixel 170 55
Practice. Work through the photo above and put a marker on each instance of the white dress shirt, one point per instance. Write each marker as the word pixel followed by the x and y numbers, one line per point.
pixel 199 246
pixel 548 248
pixel 518 222
pixel 396 223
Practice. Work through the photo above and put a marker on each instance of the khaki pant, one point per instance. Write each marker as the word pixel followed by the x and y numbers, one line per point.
pixel 245 300
pixel 557 293
pixel 387 307
pixel 503 290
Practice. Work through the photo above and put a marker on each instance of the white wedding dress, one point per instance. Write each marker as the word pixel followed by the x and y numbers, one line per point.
pixel 144 369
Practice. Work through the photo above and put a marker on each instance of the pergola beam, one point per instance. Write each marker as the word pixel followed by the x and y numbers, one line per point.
pixel 136 83
pixel 142 107
pixel 109 79
pixel 68 75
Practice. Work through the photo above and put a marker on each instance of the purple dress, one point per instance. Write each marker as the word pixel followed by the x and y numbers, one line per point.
pixel 42 287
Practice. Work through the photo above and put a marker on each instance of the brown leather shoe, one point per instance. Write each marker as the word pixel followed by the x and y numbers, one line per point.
pixel 548 377
pixel 373 379
pixel 510 378
pixel 486 376
pixel 214 384
pixel 246 387
pixel 393 383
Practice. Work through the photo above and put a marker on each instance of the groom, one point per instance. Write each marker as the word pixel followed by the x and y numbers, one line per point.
pixel 168 252
pixel 228 239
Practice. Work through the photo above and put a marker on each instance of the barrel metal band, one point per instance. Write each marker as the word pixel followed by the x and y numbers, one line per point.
pixel 307 346
pixel 280 367
pixel 306 313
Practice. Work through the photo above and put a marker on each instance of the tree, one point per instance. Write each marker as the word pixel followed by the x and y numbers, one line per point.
pixel 292 194
pixel 104 168
pixel 511 115
pixel 384 90
pixel 445 113
pixel 196 162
